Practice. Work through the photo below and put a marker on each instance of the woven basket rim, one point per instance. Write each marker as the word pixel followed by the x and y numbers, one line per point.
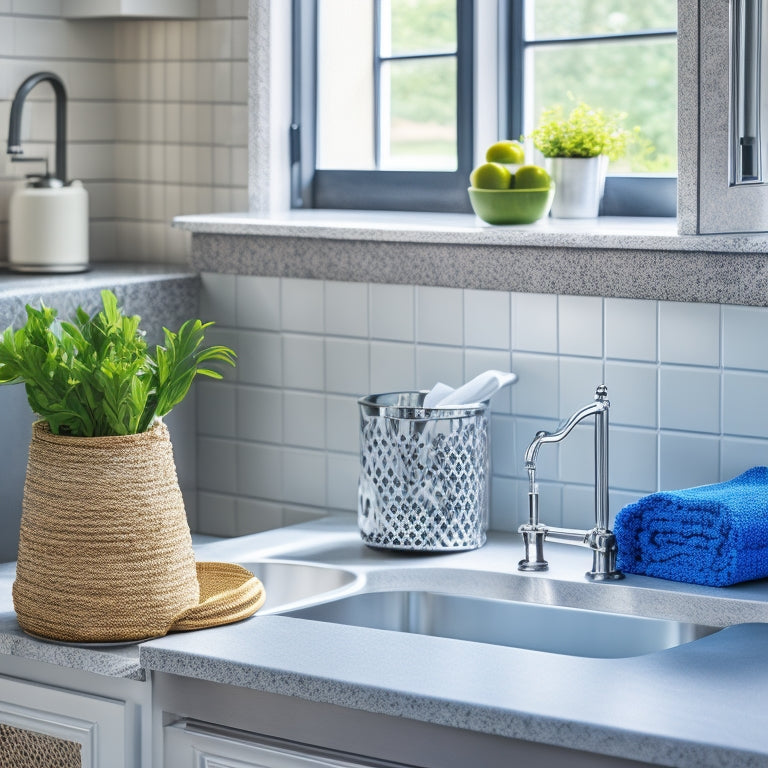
pixel 42 431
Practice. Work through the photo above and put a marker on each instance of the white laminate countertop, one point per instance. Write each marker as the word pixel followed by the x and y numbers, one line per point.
pixel 699 704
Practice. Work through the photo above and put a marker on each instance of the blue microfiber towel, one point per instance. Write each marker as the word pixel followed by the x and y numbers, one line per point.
pixel 714 535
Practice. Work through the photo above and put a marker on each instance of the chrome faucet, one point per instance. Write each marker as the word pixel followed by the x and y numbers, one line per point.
pixel 14 128
pixel 600 539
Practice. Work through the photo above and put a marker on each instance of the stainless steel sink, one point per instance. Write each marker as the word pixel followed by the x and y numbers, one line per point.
pixel 289 584
pixel 554 629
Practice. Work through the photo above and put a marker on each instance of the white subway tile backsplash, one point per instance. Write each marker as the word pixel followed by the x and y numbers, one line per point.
pixel 745 330
pixel 632 390
pixel 260 470
pixel 303 419
pixel 303 362
pixel 346 309
pixel 216 409
pixel 634 458
pixel 440 315
pixel 690 399
pixel 630 329
pixel 302 305
pixel 217 515
pixel 216 464
pixel 255 515
pixel 392 312
pixel 536 392
pixel 534 322
pixel 504 504
pixel 259 414
pixel 580 325
pixel 504 459
pixel 304 477
pixel 687 460
pixel 435 364
pixel 738 454
pixel 342 424
pixel 579 378
pixel 258 302
pixel 578 507
pixel 259 358
pixel 689 333
pixel 577 454
pixel 347 366
pixel 486 319
pixel 393 367
pixel 744 404
pixel 343 471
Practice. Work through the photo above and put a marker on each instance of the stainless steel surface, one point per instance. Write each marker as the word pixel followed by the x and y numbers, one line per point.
pixel 548 628
pixel 600 539
pixel 289 584
pixel 424 474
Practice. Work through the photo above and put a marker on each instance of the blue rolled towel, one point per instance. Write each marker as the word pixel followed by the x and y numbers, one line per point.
pixel 714 535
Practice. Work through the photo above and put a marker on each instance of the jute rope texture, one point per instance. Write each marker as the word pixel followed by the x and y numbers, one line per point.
pixel 105 553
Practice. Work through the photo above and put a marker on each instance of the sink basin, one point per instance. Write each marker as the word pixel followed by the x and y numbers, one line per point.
pixel 554 629
pixel 290 584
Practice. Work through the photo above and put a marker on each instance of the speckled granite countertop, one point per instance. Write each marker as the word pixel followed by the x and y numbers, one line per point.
pixel 161 294
pixel 610 257
pixel 697 705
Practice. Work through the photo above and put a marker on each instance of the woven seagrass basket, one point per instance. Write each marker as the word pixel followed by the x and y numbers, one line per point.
pixel 105 552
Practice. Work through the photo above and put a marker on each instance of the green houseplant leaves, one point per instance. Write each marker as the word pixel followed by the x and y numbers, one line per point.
pixel 584 132
pixel 97 376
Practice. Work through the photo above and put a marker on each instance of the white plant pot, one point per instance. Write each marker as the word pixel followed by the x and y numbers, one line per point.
pixel 580 184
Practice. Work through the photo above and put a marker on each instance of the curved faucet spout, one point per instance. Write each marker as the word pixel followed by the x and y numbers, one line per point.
pixel 14 128
pixel 600 539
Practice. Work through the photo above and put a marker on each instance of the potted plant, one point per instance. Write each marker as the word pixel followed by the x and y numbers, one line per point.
pixel 105 553
pixel 578 147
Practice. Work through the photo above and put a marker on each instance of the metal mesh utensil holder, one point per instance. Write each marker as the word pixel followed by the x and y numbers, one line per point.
pixel 424 474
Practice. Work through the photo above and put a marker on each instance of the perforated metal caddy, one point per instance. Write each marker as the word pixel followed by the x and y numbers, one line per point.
pixel 424 474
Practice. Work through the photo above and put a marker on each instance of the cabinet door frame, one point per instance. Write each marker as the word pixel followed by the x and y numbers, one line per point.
pixel 96 723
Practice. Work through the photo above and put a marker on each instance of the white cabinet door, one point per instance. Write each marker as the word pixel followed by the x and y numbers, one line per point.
pixel 69 724
pixel 193 747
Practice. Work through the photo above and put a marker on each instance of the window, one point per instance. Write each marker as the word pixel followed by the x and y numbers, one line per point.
pixel 396 98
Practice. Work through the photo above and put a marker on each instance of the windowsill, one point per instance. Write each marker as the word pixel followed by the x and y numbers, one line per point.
pixel 619 233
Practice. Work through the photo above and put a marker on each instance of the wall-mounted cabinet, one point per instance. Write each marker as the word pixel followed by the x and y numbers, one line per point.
pixel 156 9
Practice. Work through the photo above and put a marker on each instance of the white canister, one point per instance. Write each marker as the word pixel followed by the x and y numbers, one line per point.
pixel 48 228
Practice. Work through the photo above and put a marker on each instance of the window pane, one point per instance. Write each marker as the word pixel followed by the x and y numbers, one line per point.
pixel 345 97
pixel 418 26
pixel 418 114
pixel 575 18
pixel 638 77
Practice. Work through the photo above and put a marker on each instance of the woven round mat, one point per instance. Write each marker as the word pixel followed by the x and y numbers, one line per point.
pixel 228 593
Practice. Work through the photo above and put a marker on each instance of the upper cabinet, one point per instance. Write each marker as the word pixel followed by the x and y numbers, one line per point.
pixel 723 117
pixel 157 9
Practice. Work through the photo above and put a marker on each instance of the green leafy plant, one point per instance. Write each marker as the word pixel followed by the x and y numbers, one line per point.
pixel 584 132
pixel 97 376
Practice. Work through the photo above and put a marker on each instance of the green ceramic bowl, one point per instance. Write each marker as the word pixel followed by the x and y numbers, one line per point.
pixel 511 206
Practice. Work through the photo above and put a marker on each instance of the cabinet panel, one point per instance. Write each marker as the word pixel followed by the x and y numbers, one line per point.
pixel 192 746
pixel 55 720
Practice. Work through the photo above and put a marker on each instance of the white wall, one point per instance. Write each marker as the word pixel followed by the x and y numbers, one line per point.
pixel 157 119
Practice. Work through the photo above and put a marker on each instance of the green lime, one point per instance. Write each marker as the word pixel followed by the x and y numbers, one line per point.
pixel 491 176
pixel 506 151
pixel 532 177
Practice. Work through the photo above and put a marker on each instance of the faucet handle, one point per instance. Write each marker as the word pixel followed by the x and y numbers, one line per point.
pixel 601 393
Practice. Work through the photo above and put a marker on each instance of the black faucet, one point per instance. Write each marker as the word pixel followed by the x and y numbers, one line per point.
pixel 14 129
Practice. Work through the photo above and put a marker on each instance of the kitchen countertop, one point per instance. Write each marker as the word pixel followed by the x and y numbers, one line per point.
pixel 610 256
pixel 699 704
